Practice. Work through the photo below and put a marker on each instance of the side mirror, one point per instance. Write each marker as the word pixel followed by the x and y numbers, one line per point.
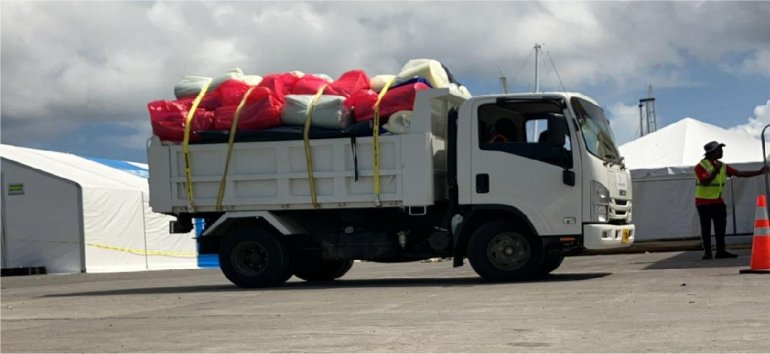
pixel 568 177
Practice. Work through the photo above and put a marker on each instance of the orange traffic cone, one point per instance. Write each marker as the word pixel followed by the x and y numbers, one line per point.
pixel 760 248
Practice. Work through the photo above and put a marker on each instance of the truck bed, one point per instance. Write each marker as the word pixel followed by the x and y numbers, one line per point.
pixel 273 175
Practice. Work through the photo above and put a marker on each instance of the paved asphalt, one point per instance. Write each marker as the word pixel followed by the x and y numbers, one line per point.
pixel 647 302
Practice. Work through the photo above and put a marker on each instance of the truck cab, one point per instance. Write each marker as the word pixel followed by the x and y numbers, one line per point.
pixel 542 164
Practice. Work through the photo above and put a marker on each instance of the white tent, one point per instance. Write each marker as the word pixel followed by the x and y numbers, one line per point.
pixel 661 165
pixel 71 214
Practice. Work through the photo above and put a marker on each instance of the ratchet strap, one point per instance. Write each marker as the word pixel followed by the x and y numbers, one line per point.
pixel 230 141
pixel 308 156
pixel 354 150
pixel 376 135
pixel 186 141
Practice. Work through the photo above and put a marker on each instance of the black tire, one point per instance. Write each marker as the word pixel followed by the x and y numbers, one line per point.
pixel 550 263
pixel 255 258
pixel 498 252
pixel 288 270
pixel 314 269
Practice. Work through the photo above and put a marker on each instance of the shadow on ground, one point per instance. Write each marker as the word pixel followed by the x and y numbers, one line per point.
pixel 337 284
pixel 692 259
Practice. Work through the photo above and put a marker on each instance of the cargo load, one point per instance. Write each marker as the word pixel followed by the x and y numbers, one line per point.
pixel 278 105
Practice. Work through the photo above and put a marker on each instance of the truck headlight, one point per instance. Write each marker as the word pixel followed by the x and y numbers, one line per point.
pixel 600 201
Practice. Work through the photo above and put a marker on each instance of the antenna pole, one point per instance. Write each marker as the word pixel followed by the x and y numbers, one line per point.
pixel 537 72
pixel 503 81
pixel 641 120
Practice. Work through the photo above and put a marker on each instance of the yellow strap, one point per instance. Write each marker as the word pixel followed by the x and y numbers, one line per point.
pixel 376 134
pixel 230 141
pixel 308 156
pixel 186 141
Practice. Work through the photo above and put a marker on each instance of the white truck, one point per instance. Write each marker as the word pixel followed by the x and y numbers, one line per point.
pixel 512 182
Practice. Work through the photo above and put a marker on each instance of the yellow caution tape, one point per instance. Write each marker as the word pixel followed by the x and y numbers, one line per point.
pixel 376 134
pixel 142 252
pixel 230 141
pixel 186 141
pixel 306 138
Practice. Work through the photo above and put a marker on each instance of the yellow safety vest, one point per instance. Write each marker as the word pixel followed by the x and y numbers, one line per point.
pixel 714 189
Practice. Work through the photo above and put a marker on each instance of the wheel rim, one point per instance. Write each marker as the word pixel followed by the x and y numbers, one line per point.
pixel 508 251
pixel 249 258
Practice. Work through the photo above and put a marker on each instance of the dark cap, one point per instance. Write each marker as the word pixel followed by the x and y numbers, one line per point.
pixel 712 146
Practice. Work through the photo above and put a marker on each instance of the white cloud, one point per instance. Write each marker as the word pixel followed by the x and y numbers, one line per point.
pixel 163 16
pixel 221 52
pixel 66 64
pixel 757 122
pixel 759 63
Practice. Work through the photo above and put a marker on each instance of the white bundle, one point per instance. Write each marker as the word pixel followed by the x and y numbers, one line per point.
pixel 434 72
pixel 325 77
pixel 328 112
pixel 378 82
pixel 428 69
pixel 459 90
pixel 399 122
pixel 252 80
pixel 190 86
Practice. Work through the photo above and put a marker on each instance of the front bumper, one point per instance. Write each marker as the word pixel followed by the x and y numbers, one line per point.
pixel 606 236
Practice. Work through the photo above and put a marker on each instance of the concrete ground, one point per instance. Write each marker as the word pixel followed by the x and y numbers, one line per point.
pixel 647 302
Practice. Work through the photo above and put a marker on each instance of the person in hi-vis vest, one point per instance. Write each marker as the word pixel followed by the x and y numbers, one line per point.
pixel 710 176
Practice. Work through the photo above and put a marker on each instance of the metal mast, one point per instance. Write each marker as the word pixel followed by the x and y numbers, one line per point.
pixel 537 71
pixel 503 81
pixel 648 122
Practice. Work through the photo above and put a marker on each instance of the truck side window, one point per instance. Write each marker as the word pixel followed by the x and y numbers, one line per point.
pixel 504 131
pixel 536 131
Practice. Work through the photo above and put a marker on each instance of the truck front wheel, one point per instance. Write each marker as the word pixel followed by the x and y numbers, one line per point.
pixel 498 252
pixel 254 258
pixel 315 269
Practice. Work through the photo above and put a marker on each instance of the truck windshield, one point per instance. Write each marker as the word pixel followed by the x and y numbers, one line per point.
pixel 595 128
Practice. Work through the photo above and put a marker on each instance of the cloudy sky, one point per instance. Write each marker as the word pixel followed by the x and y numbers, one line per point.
pixel 76 76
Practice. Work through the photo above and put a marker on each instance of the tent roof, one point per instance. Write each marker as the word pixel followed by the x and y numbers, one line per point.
pixel 681 144
pixel 136 168
pixel 74 168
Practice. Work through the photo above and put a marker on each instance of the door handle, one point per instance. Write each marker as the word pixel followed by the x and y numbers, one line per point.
pixel 482 183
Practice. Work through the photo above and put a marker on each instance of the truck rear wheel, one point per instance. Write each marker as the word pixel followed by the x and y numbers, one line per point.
pixel 498 252
pixel 254 258
pixel 314 269
pixel 550 263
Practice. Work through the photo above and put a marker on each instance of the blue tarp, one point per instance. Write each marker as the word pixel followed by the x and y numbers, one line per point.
pixel 121 165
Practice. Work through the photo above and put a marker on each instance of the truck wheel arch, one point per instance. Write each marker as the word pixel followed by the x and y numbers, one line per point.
pixel 231 222
pixel 280 224
pixel 480 215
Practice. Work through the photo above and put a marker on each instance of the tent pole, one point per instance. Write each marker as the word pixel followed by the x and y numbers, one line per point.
pixel 3 226
pixel 82 226
pixel 144 235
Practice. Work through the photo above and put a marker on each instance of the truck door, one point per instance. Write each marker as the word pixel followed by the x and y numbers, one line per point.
pixel 524 155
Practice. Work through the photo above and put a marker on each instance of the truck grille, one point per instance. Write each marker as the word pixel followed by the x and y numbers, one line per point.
pixel 619 210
